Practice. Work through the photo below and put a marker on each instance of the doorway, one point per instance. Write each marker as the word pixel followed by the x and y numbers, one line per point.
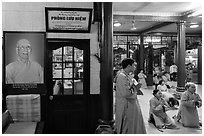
pixel 68 85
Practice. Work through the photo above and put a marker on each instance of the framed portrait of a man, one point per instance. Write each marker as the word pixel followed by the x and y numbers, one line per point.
pixel 23 60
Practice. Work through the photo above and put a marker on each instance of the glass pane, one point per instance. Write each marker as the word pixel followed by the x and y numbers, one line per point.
pixel 174 39
pixel 57 55
pixel 122 39
pixel 134 51
pixel 147 39
pixel 78 55
pixel 57 87
pixel 68 65
pixel 57 70
pixel 120 49
pixel 115 39
pixel 166 40
pixel 68 51
pixel 134 39
pixel 156 40
pixel 120 52
pixel 78 86
pixel 188 41
pixel 78 70
pixel 68 87
pixel 68 70
pixel 197 40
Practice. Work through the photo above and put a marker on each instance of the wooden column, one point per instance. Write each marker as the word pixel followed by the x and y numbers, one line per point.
pixel 150 60
pixel 199 64
pixel 106 82
pixel 175 54
pixel 181 53
pixel 141 54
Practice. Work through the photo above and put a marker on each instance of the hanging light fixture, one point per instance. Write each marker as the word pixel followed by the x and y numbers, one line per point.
pixel 117 24
pixel 133 25
pixel 193 25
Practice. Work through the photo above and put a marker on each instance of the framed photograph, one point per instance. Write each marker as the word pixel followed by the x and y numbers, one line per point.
pixel 69 20
pixel 23 60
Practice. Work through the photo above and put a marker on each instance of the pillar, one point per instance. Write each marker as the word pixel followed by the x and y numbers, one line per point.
pixel 150 59
pixel 141 53
pixel 175 54
pixel 106 82
pixel 200 65
pixel 181 53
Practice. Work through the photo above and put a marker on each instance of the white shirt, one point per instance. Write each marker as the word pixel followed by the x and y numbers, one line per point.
pixel 162 88
pixel 167 95
pixel 173 68
pixel 19 72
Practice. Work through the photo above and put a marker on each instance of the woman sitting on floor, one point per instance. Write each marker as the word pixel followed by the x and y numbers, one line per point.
pixel 157 111
pixel 162 86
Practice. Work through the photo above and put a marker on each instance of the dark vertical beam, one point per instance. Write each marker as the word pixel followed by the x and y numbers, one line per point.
pixel 128 48
pixel 106 82
pixel 150 60
pixel 97 12
pixel 175 54
pixel 141 53
pixel 181 53
pixel 200 65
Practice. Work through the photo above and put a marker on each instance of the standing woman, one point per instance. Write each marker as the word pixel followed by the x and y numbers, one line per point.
pixel 129 119
pixel 190 101
pixel 142 79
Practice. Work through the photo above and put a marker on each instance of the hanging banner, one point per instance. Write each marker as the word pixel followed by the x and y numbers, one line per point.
pixel 68 20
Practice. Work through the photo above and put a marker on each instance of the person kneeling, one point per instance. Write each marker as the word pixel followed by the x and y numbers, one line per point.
pixel 157 112
pixel 188 113
pixel 171 100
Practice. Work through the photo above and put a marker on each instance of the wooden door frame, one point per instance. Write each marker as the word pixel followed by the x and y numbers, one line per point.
pixel 86 92
pixel 85 42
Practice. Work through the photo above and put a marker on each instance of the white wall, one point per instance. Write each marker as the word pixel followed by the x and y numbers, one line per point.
pixel 30 16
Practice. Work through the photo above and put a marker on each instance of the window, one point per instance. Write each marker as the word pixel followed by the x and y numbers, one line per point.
pixel 123 47
pixel 67 71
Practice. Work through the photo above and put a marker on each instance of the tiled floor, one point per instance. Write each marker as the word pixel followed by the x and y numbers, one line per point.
pixel 144 104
